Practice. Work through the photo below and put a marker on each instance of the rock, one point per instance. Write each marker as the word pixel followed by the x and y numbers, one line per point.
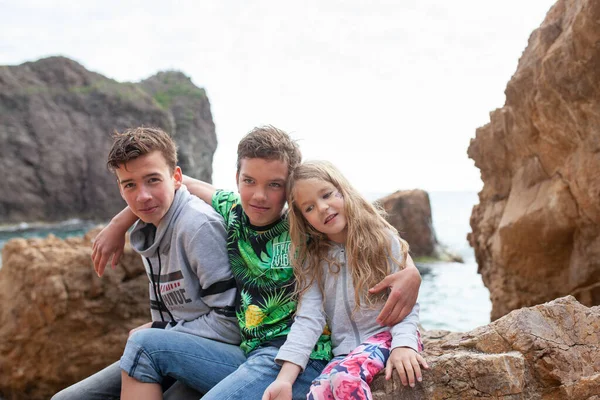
pixel 409 211
pixel 56 119
pixel 548 352
pixel 536 230
pixel 195 129
pixel 59 322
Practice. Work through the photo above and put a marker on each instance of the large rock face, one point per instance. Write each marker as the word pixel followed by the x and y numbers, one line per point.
pixel 56 119
pixel 536 231
pixel 60 323
pixel 194 127
pixel 546 352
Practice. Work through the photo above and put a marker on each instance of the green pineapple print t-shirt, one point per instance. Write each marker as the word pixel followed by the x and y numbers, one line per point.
pixel 264 277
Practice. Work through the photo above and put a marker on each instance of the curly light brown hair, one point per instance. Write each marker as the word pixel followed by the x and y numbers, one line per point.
pixel 269 143
pixel 136 142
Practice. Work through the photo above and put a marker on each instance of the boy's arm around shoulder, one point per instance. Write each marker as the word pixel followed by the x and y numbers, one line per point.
pixel 199 188
pixel 206 253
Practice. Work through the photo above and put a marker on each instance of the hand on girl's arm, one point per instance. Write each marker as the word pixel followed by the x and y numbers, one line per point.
pixel 403 291
pixel 281 388
pixel 108 245
pixel 406 362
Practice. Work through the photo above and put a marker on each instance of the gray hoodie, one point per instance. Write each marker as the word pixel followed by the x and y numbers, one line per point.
pixel 192 289
pixel 348 329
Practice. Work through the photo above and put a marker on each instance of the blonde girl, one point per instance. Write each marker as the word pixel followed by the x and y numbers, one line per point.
pixel 341 246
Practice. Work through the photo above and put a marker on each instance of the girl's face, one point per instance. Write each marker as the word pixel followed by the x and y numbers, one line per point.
pixel 322 205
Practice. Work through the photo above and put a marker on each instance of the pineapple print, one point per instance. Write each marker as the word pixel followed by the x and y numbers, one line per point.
pixel 254 316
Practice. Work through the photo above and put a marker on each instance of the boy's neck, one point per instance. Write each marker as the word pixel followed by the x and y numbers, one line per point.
pixel 264 228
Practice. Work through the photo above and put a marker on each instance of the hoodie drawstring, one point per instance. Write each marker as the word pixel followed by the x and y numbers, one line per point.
pixel 158 295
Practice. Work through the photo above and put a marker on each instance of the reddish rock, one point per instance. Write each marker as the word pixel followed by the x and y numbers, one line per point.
pixel 536 230
pixel 409 211
pixel 544 352
pixel 59 322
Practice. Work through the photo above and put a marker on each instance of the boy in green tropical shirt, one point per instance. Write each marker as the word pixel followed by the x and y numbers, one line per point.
pixel 261 266
pixel 258 244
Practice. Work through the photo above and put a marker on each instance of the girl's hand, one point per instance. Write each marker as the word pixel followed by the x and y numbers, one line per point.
pixel 281 388
pixel 406 361
pixel 278 390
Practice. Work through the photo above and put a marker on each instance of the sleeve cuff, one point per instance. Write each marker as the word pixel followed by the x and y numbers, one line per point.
pixel 285 355
pixel 405 341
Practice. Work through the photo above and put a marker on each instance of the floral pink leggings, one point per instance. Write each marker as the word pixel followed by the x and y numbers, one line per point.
pixel 348 377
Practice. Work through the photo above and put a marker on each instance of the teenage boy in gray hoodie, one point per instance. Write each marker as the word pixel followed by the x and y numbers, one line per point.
pixel 182 241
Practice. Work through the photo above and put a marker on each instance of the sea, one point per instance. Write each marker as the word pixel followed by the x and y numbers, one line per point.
pixel 452 295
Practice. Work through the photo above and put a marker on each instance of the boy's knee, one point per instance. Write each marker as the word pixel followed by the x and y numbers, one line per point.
pixel 146 338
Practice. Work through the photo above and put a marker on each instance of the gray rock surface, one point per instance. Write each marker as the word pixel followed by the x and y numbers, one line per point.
pixel 56 121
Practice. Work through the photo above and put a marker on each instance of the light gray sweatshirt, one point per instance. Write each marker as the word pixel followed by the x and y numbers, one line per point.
pixel 192 289
pixel 348 329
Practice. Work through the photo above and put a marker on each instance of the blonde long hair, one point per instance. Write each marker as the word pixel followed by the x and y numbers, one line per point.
pixel 368 247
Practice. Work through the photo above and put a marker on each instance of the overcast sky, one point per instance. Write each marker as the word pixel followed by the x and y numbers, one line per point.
pixel 390 91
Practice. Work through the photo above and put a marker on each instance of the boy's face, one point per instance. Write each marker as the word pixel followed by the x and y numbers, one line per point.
pixel 261 184
pixel 148 187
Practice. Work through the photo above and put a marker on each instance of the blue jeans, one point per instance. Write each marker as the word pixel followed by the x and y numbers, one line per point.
pixel 219 370
pixel 106 385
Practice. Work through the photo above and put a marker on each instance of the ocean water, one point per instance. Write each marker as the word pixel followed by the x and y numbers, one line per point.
pixel 72 227
pixel 452 295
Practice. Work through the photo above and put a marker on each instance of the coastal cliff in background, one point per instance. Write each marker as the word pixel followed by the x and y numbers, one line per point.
pixel 409 211
pixel 536 230
pixel 56 121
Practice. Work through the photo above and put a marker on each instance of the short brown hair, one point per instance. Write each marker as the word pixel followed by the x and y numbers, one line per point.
pixel 269 143
pixel 136 142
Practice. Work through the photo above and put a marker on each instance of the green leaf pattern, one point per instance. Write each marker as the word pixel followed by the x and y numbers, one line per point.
pixel 264 278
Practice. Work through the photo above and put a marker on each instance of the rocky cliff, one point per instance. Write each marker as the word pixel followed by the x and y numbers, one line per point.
pixel 536 230
pixel 59 323
pixel 409 211
pixel 56 119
